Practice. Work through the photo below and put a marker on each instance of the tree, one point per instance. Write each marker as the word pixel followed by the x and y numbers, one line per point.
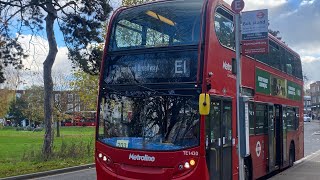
pixel 86 86
pixel 80 22
pixel 16 108
pixel 11 51
pixel 34 99
pixel 276 34
pixel 6 96
pixel 60 84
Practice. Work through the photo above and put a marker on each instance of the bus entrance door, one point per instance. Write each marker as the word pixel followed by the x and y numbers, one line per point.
pixel 271 139
pixel 278 135
pixel 219 140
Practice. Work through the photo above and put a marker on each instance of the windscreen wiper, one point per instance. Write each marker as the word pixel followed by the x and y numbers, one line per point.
pixel 161 93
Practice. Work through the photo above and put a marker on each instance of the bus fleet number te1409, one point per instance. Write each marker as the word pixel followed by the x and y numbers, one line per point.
pixel 190 153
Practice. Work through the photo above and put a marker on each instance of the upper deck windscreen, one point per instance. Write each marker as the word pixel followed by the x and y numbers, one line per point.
pixel 160 24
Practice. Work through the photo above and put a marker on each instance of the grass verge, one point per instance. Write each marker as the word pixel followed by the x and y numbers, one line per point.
pixel 20 151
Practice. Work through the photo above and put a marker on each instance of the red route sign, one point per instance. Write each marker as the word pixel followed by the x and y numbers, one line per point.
pixel 237 5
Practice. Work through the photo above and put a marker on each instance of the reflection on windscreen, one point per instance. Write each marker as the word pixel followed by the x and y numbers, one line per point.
pixel 159 24
pixel 149 123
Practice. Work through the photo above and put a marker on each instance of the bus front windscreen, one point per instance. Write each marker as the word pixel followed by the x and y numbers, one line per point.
pixel 162 24
pixel 155 43
pixel 148 121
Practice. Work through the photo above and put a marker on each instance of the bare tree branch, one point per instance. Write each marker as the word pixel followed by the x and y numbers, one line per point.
pixel 66 5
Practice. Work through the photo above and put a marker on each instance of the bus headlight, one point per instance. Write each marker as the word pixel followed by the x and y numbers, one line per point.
pixel 186 165
pixel 184 168
pixel 106 161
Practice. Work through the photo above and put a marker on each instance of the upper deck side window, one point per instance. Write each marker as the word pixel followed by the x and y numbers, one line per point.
pixel 282 59
pixel 224 28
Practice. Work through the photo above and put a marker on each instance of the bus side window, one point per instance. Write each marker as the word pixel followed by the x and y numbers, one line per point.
pixel 297 67
pixel 261 119
pixel 297 116
pixel 224 27
pixel 289 63
pixel 290 118
pixel 251 118
pixel 274 55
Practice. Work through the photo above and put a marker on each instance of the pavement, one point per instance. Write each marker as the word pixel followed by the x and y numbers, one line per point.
pixel 307 168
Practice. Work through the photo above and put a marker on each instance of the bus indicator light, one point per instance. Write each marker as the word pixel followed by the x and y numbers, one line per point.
pixel 192 162
pixel 100 155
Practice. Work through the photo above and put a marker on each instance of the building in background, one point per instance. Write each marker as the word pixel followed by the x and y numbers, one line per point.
pixel 67 105
pixel 315 99
pixel 69 102
pixel 307 105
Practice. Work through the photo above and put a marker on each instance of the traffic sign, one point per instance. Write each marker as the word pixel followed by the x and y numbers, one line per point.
pixel 237 5
pixel 255 24
pixel 255 32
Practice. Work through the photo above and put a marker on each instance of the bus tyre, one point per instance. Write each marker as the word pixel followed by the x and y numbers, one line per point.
pixel 291 156
pixel 246 172
pixel 247 169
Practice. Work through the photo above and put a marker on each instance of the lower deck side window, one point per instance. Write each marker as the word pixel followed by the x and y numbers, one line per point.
pixel 261 119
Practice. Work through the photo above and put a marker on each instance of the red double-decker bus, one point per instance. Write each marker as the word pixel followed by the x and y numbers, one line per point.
pixel 81 118
pixel 84 118
pixel 159 58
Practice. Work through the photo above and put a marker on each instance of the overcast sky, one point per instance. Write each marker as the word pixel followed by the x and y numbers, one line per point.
pixel 297 20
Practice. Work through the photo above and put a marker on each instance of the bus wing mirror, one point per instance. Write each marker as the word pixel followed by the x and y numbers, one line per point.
pixel 204 104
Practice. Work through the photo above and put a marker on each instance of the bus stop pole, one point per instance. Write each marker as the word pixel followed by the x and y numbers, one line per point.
pixel 238 84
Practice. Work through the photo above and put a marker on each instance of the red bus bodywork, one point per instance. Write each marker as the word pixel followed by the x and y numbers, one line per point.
pixel 223 85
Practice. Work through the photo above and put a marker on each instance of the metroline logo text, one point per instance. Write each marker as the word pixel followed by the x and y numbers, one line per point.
pixel 141 158
pixel 227 66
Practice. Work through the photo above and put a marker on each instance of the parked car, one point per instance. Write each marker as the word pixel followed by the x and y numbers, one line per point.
pixel 306 118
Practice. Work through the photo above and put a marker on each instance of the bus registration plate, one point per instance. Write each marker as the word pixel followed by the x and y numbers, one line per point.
pixel 122 143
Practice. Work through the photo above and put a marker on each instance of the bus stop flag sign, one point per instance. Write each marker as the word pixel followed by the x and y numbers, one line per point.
pixel 237 6
pixel 255 32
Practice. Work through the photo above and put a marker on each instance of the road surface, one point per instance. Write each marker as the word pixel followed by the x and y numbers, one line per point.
pixel 87 174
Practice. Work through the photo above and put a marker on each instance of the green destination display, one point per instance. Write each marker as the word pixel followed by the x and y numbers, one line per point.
pixel 269 84
pixel 294 91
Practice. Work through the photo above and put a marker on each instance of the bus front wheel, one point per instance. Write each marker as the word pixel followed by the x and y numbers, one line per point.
pixel 291 155
pixel 248 168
